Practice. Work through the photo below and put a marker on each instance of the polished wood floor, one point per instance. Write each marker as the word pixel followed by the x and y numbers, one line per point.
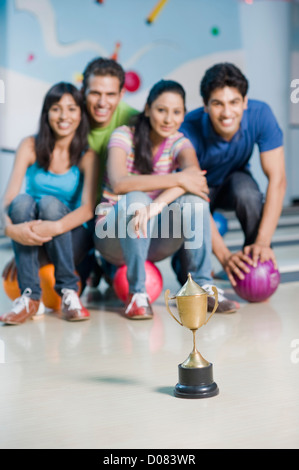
pixel 108 383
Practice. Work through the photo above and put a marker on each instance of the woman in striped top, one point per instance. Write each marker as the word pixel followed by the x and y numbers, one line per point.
pixel 141 185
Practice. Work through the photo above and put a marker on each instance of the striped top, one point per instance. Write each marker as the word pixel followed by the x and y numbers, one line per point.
pixel 164 161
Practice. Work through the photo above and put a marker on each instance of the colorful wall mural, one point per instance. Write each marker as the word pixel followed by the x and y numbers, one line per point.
pixel 46 41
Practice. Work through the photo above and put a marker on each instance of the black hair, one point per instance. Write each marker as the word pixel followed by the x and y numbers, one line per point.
pixel 220 76
pixel 142 141
pixel 103 67
pixel 45 139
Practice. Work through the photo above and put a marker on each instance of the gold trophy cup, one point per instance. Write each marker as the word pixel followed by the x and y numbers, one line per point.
pixel 195 373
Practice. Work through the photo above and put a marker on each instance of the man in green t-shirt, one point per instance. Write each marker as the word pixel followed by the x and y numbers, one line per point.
pixel 103 87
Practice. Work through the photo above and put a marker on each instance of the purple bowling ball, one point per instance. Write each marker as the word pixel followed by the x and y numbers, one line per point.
pixel 259 284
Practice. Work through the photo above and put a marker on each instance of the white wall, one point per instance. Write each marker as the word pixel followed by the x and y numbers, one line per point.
pixel 265 28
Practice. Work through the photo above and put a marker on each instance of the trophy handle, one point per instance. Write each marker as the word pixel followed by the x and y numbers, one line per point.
pixel 216 302
pixel 166 295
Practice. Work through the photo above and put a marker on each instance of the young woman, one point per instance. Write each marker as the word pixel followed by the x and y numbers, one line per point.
pixel 141 170
pixel 60 175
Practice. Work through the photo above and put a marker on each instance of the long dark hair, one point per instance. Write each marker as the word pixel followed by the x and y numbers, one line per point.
pixel 142 141
pixel 45 139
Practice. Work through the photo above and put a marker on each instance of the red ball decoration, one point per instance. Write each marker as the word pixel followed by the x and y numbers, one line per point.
pixel 259 284
pixel 153 282
pixel 132 81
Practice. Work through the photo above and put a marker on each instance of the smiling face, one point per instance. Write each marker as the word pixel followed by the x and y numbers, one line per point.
pixel 225 108
pixel 102 95
pixel 64 116
pixel 166 115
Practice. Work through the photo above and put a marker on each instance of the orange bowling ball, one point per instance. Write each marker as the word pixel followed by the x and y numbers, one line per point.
pixel 50 297
pixel 11 288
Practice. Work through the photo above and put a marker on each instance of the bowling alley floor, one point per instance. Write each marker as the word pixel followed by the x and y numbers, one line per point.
pixel 108 383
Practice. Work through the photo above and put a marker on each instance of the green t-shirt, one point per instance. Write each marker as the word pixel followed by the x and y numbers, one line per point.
pixel 98 138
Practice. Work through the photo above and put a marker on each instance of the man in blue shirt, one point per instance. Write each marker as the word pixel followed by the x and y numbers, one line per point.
pixel 224 132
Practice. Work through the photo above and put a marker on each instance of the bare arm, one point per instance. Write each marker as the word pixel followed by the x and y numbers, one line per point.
pixel 189 164
pixel 233 263
pixel 22 233
pixel 273 165
pixel 190 179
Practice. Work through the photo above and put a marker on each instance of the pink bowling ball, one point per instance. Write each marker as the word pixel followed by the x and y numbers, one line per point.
pixel 153 282
pixel 259 284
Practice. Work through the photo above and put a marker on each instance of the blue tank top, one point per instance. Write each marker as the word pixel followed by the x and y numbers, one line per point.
pixel 66 187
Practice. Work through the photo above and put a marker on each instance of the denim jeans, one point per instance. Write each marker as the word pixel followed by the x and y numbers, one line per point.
pixel 239 192
pixel 59 251
pixel 186 221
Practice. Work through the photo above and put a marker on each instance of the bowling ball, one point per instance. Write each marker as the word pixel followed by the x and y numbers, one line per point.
pixel 220 222
pixel 153 282
pixel 259 284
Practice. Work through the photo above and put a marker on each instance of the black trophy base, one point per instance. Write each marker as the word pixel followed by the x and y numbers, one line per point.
pixel 196 383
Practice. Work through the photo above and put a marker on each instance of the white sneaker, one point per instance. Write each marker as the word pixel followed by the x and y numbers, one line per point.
pixel 72 307
pixel 138 306
pixel 224 305
pixel 24 308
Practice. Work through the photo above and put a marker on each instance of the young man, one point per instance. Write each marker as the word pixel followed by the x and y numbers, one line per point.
pixel 224 132
pixel 103 88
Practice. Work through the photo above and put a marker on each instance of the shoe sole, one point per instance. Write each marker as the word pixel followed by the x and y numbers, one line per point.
pixel 19 322
pixel 64 316
pixel 139 317
pixel 37 317
pixel 233 310
pixel 77 319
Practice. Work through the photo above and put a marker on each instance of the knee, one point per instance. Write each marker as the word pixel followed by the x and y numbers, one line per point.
pixel 253 199
pixel 245 190
pixel 136 197
pixel 196 202
pixel 133 201
pixel 50 208
pixel 22 209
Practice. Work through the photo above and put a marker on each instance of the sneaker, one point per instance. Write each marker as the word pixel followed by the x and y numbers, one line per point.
pixel 24 308
pixel 224 305
pixel 72 307
pixel 138 307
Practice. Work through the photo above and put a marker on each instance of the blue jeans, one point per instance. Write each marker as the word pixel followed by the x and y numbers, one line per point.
pixel 58 251
pixel 240 193
pixel 186 221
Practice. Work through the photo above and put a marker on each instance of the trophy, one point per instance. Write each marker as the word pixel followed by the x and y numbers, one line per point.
pixel 195 373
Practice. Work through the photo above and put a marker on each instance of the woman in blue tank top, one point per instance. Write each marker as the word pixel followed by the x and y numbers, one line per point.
pixel 60 175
